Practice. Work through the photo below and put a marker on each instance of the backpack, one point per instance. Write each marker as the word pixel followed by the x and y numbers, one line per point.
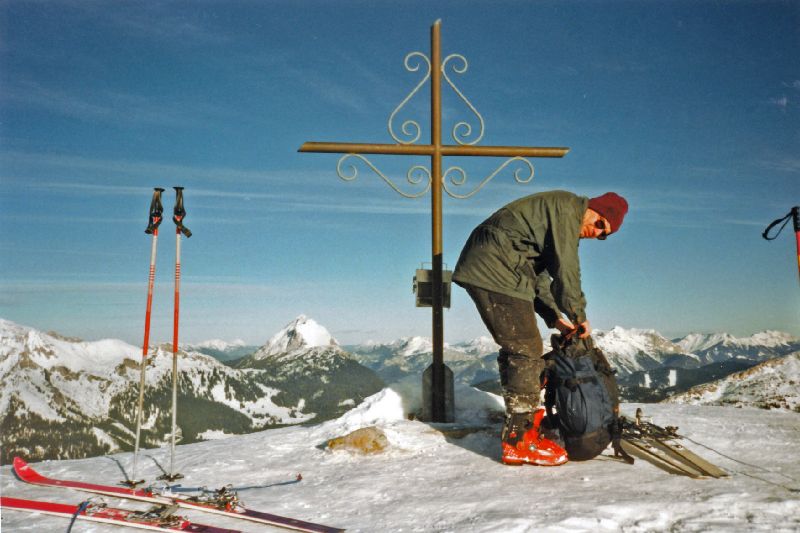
pixel 582 398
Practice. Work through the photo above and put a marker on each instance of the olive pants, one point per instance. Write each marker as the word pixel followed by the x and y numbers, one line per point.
pixel 512 323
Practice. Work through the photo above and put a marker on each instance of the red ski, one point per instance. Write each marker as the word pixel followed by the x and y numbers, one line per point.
pixel 157 519
pixel 223 502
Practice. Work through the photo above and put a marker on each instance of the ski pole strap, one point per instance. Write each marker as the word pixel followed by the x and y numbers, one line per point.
pixel 156 209
pixel 179 212
pixel 80 509
pixel 794 214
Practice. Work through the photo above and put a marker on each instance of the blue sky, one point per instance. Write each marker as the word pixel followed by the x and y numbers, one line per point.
pixel 688 109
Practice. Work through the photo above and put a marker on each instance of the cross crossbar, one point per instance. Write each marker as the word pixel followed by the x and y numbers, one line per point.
pixel 430 149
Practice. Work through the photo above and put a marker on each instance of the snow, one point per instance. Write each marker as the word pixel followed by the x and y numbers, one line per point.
pixel 629 348
pixel 772 384
pixel 427 481
pixel 480 346
pixel 695 342
pixel 49 351
pixel 105 438
pixel 217 344
pixel 673 377
pixel 263 407
pixel 214 434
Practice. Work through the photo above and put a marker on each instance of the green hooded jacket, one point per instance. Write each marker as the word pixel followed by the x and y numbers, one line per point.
pixel 529 249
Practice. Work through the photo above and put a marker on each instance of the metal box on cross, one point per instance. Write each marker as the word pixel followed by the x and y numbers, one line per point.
pixel 423 287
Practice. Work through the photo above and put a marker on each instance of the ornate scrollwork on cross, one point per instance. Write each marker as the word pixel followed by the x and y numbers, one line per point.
pixel 457 177
pixel 416 175
pixel 462 126
pixel 411 128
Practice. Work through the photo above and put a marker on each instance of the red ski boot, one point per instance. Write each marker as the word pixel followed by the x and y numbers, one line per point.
pixel 522 443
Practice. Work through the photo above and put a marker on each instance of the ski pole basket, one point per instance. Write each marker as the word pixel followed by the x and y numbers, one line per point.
pixel 423 287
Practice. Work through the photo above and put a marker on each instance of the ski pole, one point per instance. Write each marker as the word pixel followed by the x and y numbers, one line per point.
pixel 794 214
pixel 178 215
pixel 156 210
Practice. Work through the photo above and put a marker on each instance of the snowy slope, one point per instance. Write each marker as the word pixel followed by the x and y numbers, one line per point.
pixel 427 482
pixel 774 384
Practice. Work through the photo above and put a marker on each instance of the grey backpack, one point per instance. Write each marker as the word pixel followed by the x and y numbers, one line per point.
pixel 582 398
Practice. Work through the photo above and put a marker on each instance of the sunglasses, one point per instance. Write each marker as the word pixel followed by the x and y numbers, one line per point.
pixel 600 224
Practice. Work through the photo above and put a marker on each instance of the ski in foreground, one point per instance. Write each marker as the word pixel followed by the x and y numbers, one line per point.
pixel 222 502
pixel 661 447
pixel 159 518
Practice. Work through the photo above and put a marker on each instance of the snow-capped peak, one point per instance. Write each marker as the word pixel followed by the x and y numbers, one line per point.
pixel 771 338
pixel 300 334
pixel 631 341
pixel 695 342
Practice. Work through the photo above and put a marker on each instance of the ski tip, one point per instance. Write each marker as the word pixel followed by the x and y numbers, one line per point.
pixel 20 465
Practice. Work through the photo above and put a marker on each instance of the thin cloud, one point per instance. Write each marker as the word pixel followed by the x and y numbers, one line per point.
pixel 741 222
pixel 126 190
pixel 113 106
pixel 157 171
pixel 161 21
pixel 330 90
pixel 782 102
pixel 783 164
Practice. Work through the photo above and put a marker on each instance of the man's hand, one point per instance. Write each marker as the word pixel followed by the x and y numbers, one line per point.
pixel 564 326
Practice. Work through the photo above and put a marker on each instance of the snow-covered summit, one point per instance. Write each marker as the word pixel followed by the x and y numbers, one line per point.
pixel 300 335
pixel 28 346
pixel 695 342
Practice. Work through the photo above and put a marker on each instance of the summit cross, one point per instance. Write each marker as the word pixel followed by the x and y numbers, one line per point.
pixel 436 408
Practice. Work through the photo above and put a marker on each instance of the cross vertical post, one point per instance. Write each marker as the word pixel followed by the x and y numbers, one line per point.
pixel 438 391
pixel 437 380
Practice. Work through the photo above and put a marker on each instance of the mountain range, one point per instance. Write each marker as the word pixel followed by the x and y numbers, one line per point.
pixel 650 367
pixel 63 397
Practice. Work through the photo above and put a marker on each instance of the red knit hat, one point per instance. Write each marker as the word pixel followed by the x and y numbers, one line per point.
pixel 610 206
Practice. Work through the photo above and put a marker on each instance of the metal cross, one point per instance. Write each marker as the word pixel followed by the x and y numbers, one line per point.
pixel 436 182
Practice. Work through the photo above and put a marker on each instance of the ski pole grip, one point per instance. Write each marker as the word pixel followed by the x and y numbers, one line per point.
pixel 179 212
pixel 156 210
